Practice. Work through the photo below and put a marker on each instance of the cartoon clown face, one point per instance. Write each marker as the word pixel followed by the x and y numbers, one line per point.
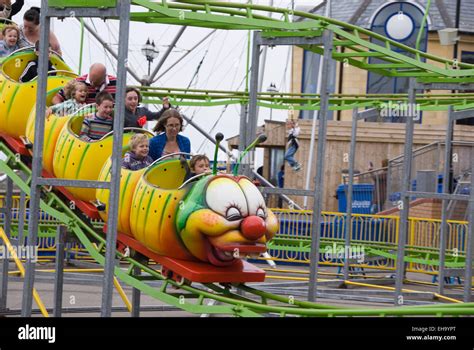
pixel 228 222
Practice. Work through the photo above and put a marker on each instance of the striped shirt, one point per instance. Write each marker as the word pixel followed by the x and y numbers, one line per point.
pixel 109 85
pixel 95 127
pixel 67 107
pixel 23 40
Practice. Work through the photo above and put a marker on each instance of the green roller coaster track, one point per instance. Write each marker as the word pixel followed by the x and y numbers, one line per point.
pixel 359 45
pixel 231 16
pixel 358 49
pixel 304 101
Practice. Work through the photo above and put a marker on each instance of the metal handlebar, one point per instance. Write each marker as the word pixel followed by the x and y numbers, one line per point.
pixel 76 113
pixel 64 72
pixel 193 178
pixel 126 130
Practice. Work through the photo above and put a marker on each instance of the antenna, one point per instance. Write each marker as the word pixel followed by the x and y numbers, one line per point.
pixel 219 138
pixel 261 138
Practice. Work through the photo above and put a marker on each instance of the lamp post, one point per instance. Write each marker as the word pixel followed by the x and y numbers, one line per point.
pixel 150 52
pixel 273 90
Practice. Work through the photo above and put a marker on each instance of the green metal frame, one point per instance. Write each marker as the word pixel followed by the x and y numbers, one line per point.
pixel 83 3
pixel 302 101
pixel 356 40
pixel 231 16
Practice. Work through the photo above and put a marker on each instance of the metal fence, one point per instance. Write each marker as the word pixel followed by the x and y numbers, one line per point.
pixel 387 181
pixel 429 157
pixel 46 241
pixel 376 233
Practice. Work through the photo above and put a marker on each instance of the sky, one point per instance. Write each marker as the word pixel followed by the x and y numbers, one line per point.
pixel 223 68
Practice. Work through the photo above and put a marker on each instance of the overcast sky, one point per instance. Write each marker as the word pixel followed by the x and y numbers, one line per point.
pixel 223 67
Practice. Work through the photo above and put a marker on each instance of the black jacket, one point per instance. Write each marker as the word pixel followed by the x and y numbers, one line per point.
pixel 31 71
pixel 131 119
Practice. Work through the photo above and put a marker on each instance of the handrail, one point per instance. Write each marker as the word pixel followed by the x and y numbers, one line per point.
pixel 55 71
pixel 172 155
pixel 93 109
pixel 194 178
pixel 282 196
pixel 126 130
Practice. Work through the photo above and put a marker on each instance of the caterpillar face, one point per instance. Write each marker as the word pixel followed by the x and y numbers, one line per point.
pixel 231 222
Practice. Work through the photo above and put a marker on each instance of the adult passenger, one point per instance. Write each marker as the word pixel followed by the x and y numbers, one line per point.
pixel 96 81
pixel 136 116
pixel 30 31
pixel 169 140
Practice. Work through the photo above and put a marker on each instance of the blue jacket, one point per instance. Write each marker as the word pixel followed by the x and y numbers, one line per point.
pixel 158 142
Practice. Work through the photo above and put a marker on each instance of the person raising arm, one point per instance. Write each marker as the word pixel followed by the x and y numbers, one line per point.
pixel 135 115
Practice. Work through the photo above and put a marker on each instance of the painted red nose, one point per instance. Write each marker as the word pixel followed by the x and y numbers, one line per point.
pixel 253 227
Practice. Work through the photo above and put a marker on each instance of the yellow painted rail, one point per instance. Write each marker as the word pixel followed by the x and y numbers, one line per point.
pixel 20 267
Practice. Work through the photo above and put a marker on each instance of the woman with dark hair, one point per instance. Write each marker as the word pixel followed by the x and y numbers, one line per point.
pixel 15 7
pixel 136 116
pixel 30 31
pixel 169 140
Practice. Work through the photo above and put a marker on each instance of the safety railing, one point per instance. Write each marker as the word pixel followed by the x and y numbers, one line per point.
pixel 424 235
pixel 47 235
pixel 376 234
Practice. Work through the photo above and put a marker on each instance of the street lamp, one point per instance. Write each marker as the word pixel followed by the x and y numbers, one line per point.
pixel 150 52
pixel 273 90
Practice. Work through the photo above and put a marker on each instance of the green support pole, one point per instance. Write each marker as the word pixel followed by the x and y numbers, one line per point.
pixel 423 24
pixel 81 48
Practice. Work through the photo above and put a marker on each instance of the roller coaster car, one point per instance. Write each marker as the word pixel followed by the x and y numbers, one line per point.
pixel 16 98
pixel 53 126
pixel 200 229
pixel 76 159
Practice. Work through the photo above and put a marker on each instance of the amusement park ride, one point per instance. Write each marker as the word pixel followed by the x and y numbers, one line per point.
pixel 199 230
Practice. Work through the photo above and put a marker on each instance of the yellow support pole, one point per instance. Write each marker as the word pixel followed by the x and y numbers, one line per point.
pixel 18 263
pixel 122 294
pixel 17 272
pixel 439 296
pixel 442 297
